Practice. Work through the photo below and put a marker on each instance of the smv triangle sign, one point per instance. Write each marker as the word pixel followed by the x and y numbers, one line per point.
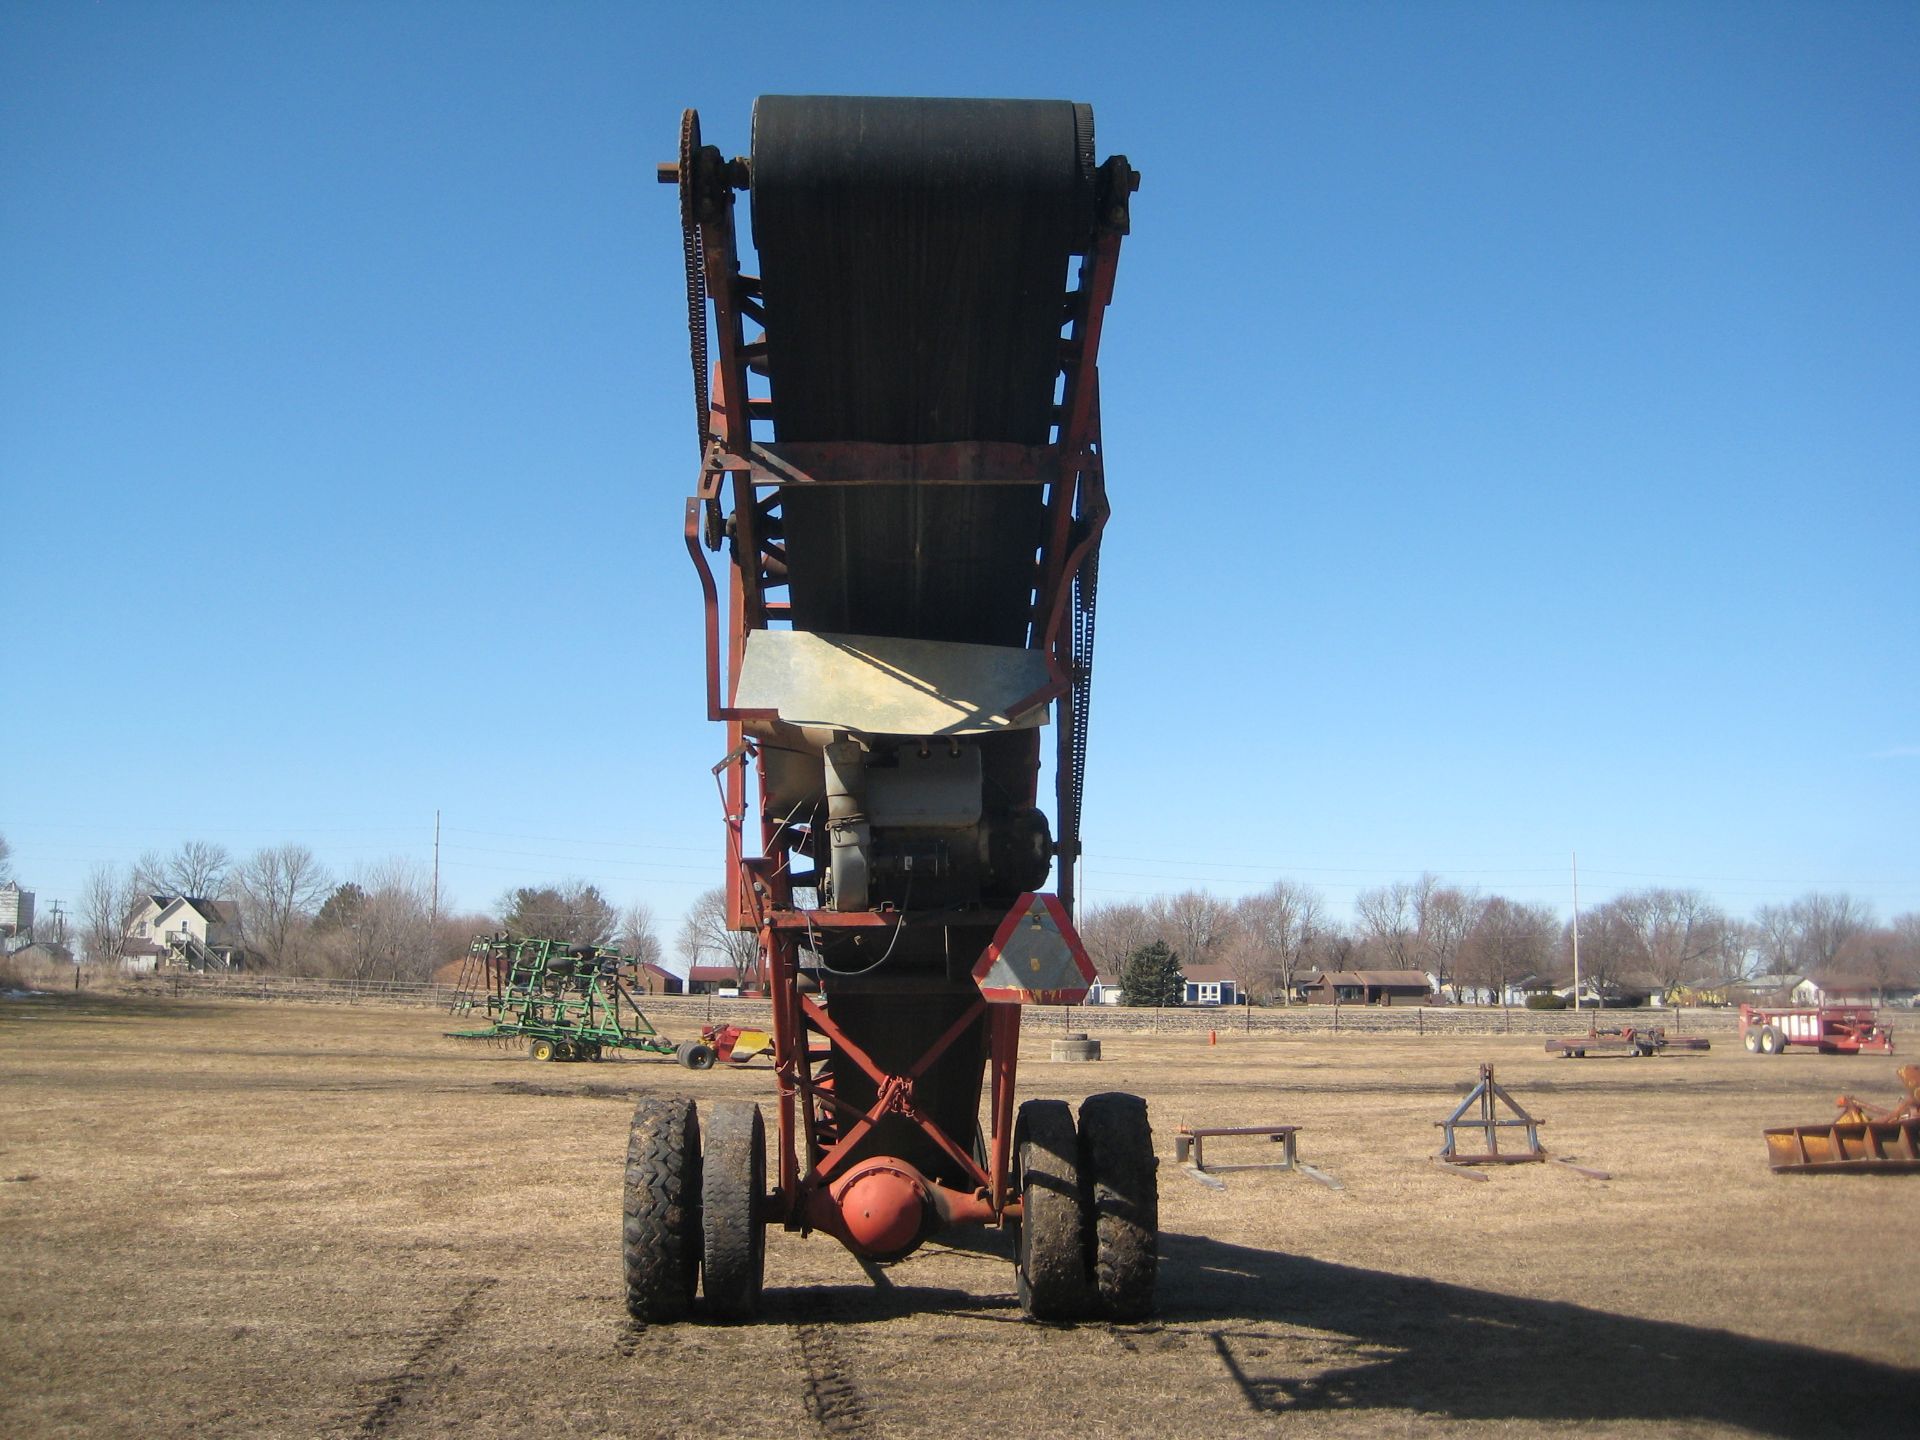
pixel 1035 958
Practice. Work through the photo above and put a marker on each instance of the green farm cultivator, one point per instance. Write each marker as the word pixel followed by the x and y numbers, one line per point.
pixel 567 1002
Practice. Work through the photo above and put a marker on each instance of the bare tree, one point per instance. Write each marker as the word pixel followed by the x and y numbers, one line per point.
pixel 198 868
pixel 1609 948
pixel 1332 949
pixel 705 939
pixel 1273 933
pixel 106 903
pixel 1878 955
pixel 453 938
pixel 1389 916
pixel 1676 933
pixel 1511 941
pixel 1907 927
pixel 1825 924
pixel 281 887
pixel 6 860
pixel 386 932
pixel 1113 932
pixel 1739 944
pixel 635 936
pixel 1805 935
pixel 1774 940
pixel 1446 915
pixel 1195 924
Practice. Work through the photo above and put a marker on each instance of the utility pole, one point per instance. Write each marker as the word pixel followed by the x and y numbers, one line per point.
pixel 1576 929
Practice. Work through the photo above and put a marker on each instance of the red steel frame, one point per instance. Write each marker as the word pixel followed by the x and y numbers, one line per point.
pixel 730 503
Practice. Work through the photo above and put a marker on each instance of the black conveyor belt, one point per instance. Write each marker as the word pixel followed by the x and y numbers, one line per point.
pixel 913 256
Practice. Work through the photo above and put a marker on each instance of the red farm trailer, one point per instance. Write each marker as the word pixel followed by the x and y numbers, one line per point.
pixel 1830 1029
pixel 899 428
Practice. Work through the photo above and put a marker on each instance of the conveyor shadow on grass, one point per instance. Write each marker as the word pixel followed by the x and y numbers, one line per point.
pixel 1424 1346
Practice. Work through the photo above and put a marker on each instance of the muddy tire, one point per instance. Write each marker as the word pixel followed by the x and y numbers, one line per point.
pixel 1120 1195
pixel 733 1177
pixel 1050 1248
pixel 660 1210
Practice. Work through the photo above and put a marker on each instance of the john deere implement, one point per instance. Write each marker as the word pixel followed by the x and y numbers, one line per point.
pixel 568 1002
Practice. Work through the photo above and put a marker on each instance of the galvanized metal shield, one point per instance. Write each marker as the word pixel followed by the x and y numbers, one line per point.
pixel 1035 957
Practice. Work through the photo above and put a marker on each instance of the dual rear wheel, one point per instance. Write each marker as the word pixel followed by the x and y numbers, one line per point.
pixel 1088 1243
pixel 690 1210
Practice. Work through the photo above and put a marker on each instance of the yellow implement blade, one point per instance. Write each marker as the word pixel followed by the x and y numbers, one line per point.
pixel 1846 1145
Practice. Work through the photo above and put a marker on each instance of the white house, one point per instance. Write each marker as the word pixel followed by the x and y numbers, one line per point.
pixel 1206 985
pixel 1837 990
pixel 184 931
pixel 1210 985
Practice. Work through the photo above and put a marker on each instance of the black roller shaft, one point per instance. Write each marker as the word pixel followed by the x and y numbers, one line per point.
pixel 914 256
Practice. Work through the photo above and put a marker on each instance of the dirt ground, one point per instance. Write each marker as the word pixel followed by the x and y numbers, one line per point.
pixel 266 1220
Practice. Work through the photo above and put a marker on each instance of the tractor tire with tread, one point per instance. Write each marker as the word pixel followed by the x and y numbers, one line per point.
pixel 733 1177
pixel 694 1055
pixel 660 1210
pixel 1120 1194
pixel 1050 1247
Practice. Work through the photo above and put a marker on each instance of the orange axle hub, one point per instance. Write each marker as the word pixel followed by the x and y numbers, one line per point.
pixel 884 1206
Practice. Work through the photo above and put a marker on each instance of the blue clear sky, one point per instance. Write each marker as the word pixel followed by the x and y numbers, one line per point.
pixel 1511 429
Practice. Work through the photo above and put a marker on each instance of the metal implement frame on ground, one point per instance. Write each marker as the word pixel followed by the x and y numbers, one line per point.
pixel 822 1146
pixel 1641 1040
pixel 1491 1097
pixel 1830 1029
pixel 568 1002
pixel 1189 1148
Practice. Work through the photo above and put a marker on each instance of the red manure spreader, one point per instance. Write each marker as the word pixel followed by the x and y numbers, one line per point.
pixel 1830 1029
pixel 899 427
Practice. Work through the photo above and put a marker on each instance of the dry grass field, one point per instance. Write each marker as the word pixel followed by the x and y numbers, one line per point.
pixel 276 1220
